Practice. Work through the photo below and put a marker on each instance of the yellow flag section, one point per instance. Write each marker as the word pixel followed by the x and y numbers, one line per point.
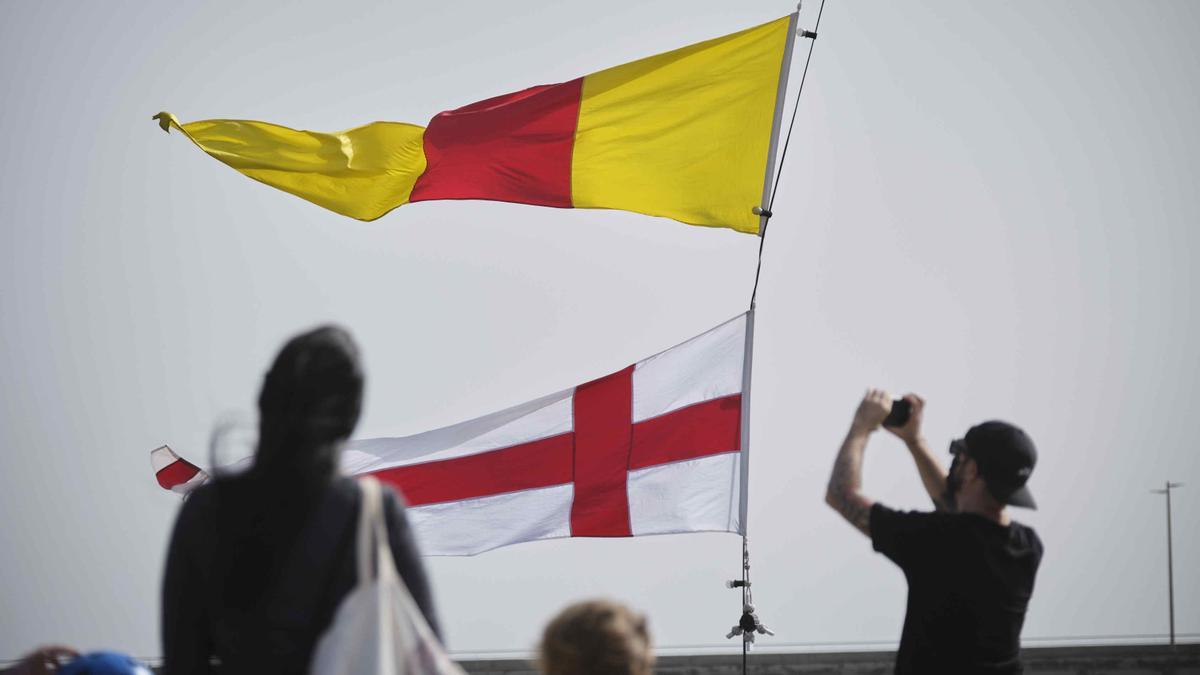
pixel 687 134
pixel 362 172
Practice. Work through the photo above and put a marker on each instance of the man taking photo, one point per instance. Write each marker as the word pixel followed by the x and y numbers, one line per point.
pixel 970 567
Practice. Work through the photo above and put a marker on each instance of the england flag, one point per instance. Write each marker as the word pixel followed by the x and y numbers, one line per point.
pixel 658 447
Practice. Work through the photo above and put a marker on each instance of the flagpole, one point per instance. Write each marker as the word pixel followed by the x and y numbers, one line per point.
pixel 785 69
pixel 764 211
pixel 744 492
pixel 744 441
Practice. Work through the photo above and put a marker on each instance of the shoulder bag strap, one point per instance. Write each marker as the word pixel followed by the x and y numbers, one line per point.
pixel 368 539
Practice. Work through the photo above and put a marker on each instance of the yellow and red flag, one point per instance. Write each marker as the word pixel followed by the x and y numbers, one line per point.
pixel 688 135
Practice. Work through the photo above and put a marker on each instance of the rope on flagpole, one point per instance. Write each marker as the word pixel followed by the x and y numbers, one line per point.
pixel 762 239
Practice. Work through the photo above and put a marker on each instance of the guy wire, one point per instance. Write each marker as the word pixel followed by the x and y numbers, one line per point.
pixel 762 239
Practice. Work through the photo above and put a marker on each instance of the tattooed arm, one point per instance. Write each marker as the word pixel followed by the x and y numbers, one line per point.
pixel 845 485
pixel 844 493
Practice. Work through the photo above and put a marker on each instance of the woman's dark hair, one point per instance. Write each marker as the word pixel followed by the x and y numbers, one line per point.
pixel 310 402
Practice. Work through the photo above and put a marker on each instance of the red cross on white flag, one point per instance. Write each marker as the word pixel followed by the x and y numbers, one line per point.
pixel 659 447
pixel 655 448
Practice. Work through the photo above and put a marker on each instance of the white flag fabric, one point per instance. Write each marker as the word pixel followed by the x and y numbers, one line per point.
pixel 659 447
pixel 175 473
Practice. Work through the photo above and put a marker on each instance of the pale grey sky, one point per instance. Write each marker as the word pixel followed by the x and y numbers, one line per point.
pixel 993 204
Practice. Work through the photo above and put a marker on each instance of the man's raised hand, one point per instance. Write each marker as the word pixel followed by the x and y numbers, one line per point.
pixel 872 411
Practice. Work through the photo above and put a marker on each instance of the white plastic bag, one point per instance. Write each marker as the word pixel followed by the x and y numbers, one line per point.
pixel 378 628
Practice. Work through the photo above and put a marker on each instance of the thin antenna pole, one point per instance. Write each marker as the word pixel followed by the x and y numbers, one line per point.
pixel 1167 487
pixel 1170 567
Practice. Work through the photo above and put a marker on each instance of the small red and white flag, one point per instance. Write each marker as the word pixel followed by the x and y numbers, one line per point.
pixel 659 447
pixel 175 473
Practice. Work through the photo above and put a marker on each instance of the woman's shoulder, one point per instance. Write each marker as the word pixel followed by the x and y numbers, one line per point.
pixel 394 503
pixel 348 486
pixel 346 489
pixel 196 521
pixel 393 495
pixel 200 503
pixel 222 493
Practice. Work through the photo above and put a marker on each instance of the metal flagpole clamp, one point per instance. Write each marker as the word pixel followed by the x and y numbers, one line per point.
pixel 748 625
pixel 800 31
pixel 760 211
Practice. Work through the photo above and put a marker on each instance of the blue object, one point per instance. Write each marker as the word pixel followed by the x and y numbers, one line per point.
pixel 105 663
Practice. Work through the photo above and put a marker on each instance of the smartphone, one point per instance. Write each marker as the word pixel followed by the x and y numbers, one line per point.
pixel 901 411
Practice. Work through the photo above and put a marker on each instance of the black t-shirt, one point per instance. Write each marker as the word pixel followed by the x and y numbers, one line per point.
pixel 969 583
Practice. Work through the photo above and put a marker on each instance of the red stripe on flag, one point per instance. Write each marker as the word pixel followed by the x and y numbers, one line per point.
pixel 536 464
pixel 603 437
pixel 699 430
pixel 597 456
pixel 176 473
pixel 513 148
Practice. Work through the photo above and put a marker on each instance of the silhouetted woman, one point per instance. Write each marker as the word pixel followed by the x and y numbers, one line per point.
pixel 259 562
